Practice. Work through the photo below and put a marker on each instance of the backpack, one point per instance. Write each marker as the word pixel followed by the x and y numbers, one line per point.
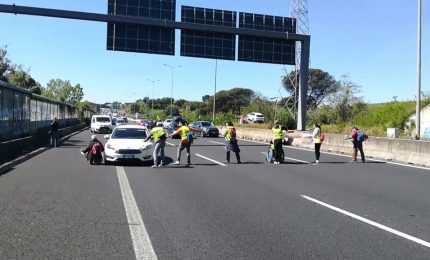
pixel 360 135
pixel 96 149
pixel 190 137
pixel 322 137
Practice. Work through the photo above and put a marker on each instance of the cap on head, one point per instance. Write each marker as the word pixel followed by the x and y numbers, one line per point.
pixel 93 137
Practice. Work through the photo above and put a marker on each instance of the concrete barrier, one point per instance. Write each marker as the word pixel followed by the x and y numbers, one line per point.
pixel 400 150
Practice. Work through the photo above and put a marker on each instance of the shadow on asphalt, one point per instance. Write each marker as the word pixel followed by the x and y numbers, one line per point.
pixel 249 162
pixel 295 163
pixel 6 171
pixel 69 146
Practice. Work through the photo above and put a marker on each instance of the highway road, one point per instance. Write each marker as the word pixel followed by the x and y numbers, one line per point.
pixel 58 206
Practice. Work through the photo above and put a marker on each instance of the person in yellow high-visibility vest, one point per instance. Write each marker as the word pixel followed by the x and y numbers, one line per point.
pixel 278 137
pixel 185 143
pixel 159 136
pixel 231 143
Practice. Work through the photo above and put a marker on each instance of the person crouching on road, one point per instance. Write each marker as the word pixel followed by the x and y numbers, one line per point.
pixel 316 135
pixel 94 150
pixel 185 144
pixel 278 137
pixel 231 143
pixel 159 136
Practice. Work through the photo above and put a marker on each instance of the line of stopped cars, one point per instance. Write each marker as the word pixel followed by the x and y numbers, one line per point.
pixel 199 128
pixel 126 143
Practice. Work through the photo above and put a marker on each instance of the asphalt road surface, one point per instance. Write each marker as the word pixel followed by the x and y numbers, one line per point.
pixel 58 206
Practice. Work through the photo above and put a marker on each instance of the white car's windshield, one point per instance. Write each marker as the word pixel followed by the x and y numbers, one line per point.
pixel 103 119
pixel 129 133
pixel 207 124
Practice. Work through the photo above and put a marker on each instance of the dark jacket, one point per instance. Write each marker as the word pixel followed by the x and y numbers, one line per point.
pixel 54 126
pixel 90 146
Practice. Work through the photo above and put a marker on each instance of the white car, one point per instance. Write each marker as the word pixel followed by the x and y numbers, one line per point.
pixel 120 121
pixel 166 123
pixel 255 117
pixel 127 143
pixel 101 123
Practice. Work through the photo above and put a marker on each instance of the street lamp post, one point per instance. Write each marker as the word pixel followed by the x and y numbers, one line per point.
pixel 276 107
pixel 171 91
pixel 135 103
pixel 418 105
pixel 152 103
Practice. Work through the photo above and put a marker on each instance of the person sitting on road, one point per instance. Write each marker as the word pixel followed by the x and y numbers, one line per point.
pixel 94 150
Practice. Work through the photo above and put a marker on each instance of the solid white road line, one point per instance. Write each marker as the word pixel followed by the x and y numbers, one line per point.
pixel 297 160
pixel 141 242
pixel 209 159
pixel 217 142
pixel 170 144
pixel 370 222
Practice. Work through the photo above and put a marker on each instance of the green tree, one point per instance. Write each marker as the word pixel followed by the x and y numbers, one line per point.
pixel 5 64
pixel 37 89
pixel 63 91
pixel 229 100
pixel 320 85
pixel 344 99
pixel 21 78
pixel 205 98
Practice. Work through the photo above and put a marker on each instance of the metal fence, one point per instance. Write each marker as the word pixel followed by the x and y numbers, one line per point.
pixel 23 113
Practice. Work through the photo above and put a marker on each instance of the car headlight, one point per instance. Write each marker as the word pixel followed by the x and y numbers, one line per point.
pixel 146 147
pixel 109 146
pixel 205 129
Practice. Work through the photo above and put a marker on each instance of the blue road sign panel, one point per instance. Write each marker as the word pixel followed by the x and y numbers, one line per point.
pixel 141 38
pixel 215 45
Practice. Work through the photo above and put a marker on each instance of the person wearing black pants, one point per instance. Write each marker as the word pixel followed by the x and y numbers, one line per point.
pixel 278 137
pixel 316 135
pixel 231 143
pixel 357 143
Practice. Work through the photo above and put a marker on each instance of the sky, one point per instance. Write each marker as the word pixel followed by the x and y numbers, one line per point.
pixel 373 42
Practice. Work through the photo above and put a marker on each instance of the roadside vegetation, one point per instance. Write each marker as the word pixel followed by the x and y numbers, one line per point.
pixel 335 103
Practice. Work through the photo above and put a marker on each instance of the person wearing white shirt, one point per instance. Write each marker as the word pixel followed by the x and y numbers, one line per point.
pixel 316 135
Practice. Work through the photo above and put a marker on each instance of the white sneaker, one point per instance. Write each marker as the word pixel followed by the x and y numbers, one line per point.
pixel 316 161
pixel 176 163
pixel 154 166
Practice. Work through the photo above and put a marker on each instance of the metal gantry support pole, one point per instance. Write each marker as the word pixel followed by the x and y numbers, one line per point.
pixel 213 110
pixel 418 108
pixel 303 85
